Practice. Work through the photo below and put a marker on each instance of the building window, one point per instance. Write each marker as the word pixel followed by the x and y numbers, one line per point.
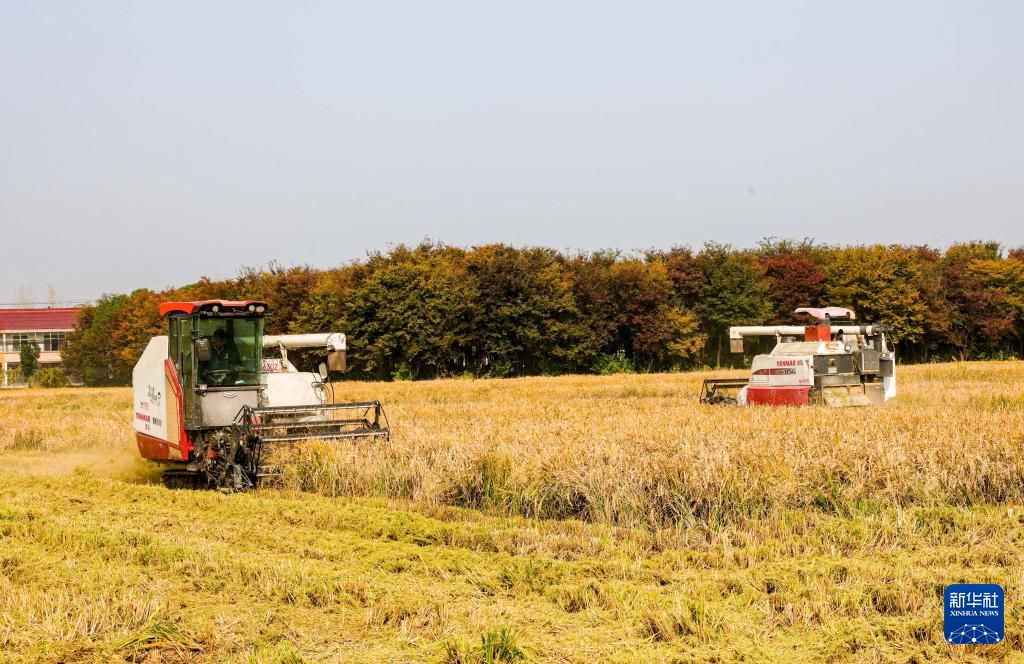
pixel 53 341
pixel 14 341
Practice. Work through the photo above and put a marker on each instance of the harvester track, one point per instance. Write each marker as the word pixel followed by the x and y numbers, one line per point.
pixel 185 479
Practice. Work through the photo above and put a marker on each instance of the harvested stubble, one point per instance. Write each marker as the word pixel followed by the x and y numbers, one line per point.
pixel 95 569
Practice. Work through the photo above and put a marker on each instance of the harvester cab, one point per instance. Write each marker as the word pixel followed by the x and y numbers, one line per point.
pixel 208 402
pixel 833 361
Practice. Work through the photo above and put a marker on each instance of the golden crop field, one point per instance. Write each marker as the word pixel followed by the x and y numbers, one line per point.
pixel 542 519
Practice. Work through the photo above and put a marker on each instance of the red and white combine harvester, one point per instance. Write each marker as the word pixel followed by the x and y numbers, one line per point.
pixel 832 361
pixel 207 401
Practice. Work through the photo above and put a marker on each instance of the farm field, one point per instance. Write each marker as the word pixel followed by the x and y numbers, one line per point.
pixel 541 519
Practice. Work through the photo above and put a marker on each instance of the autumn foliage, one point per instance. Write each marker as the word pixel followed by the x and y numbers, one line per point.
pixel 434 310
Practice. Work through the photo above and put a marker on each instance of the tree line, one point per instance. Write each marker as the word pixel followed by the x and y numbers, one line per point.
pixel 433 310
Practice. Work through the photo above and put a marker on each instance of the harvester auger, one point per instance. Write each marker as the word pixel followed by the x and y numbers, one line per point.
pixel 833 362
pixel 208 403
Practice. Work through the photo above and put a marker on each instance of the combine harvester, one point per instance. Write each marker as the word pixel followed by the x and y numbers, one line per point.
pixel 207 401
pixel 833 361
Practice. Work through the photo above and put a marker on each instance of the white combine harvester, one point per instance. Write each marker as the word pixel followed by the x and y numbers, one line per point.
pixel 834 362
pixel 207 401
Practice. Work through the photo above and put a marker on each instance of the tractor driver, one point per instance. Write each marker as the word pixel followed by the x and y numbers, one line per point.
pixel 224 359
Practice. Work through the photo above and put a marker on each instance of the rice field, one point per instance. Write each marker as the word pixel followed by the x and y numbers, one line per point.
pixel 543 519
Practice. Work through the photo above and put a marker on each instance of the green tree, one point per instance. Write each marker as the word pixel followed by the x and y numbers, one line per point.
pixel 283 289
pixel 938 313
pixel 882 284
pixel 90 351
pixel 981 318
pixel 734 293
pixel 793 277
pixel 631 309
pixel 596 300
pixel 657 332
pixel 1003 282
pixel 327 305
pixel 434 310
pixel 415 312
pixel 684 270
pixel 29 355
pixel 527 320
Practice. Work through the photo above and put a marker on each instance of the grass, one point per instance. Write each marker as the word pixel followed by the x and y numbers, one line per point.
pixel 498 645
pixel 481 534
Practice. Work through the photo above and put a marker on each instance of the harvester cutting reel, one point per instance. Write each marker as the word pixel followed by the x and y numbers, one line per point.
pixel 721 390
pixel 233 461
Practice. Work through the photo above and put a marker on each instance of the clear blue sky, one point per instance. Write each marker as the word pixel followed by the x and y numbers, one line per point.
pixel 146 144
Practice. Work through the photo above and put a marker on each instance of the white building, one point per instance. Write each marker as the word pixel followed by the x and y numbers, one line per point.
pixel 46 327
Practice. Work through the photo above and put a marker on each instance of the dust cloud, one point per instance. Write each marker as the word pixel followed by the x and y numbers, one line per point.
pixel 121 464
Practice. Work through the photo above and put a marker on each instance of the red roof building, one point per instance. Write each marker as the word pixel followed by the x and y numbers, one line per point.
pixel 45 327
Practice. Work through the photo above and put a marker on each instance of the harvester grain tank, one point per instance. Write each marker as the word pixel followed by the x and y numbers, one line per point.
pixel 208 401
pixel 833 361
